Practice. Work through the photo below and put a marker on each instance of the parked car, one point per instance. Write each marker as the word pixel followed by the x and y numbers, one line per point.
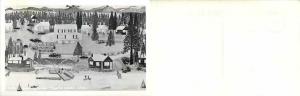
pixel 41 33
pixel 126 69
pixel 25 46
pixel 30 24
pixel 35 40
pixel 125 60
pixel 34 86
pixel 30 31
pixel 83 57
pixel 100 41
pixel 55 55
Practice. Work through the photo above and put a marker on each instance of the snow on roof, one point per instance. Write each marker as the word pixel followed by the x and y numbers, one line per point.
pixel 65 26
pixel 15 58
pixel 102 26
pixel 121 27
pixel 98 57
pixel 65 48
pixel 10 23
pixel 50 37
pixel 85 26
pixel 43 24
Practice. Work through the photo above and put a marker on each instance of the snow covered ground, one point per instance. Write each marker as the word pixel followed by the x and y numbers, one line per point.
pixel 99 81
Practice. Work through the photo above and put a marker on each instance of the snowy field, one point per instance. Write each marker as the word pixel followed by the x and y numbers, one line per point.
pixel 99 81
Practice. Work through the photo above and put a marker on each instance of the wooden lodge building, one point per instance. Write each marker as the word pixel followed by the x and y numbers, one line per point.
pixel 19 61
pixel 101 62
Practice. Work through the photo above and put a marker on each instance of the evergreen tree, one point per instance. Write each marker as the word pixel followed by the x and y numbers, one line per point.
pixel 79 20
pixel 95 35
pixel 22 21
pixel 129 41
pixel 143 85
pixel 143 49
pixel 14 23
pixel 111 22
pixel 35 56
pixel 10 46
pixel 6 54
pixel 110 39
pixel 132 40
pixel 112 28
pixel 40 54
pixel 115 21
pixel 78 49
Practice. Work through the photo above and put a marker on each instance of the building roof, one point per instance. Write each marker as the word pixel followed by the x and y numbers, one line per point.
pixel 86 27
pixel 43 24
pixel 15 58
pixel 98 57
pixel 49 37
pixel 108 59
pixel 121 27
pixel 102 27
pixel 65 26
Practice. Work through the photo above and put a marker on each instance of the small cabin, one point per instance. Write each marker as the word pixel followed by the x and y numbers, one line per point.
pixel 101 62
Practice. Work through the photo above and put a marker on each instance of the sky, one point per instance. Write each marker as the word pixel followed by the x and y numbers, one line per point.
pixel 84 4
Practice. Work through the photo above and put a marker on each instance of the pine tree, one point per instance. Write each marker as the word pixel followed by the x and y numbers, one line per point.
pixel 6 54
pixel 79 20
pixel 10 46
pixel 40 54
pixel 78 49
pixel 115 22
pixel 35 56
pixel 22 21
pixel 111 22
pixel 132 40
pixel 95 35
pixel 110 39
pixel 111 27
pixel 128 44
pixel 143 85
pixel 14 23
pixel 143 49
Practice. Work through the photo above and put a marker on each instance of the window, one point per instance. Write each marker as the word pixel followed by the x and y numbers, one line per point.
pixel 97 63
pixel 65 36
pixel 73 36
pixel 91 62
pixel 57 36
pixel 76 37
pixel 57 30
pixel 106 63
pixel 28 62
pixel 74 30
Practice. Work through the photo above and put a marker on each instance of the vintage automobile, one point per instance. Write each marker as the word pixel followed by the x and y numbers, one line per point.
pixel 100 41
pixel 56 55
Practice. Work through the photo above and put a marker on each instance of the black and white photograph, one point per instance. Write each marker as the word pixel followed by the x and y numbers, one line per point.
pixel 75 47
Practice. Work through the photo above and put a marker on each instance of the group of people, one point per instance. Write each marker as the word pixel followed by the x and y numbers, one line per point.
pixel 87 77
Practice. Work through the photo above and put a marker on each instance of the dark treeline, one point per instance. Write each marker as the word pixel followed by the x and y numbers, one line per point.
pixel 69 17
